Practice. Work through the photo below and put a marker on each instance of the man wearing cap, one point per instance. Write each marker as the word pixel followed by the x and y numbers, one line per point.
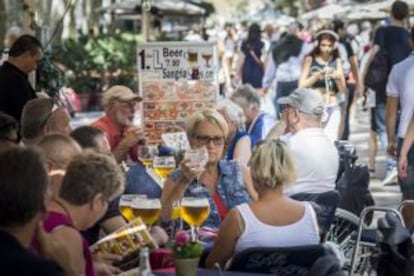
pixel 120 104
pixel 316 157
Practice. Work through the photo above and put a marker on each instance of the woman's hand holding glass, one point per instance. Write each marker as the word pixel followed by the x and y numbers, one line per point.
pixel 195 160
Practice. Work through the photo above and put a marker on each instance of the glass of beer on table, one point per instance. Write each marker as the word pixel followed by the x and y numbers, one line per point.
pixel 163 165
pixel 194 211
pixel 148 209
pixel 146 154
pixel 125 205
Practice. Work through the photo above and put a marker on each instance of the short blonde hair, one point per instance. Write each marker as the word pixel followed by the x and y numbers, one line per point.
pixel 233 112
pixel 271 164
pixel 210 115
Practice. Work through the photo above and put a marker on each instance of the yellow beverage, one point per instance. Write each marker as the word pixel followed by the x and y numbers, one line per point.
pixel 127 212
pixel 148 215
pixel 163 171
pixel 175 212
pixel 195 215
pixel 147 162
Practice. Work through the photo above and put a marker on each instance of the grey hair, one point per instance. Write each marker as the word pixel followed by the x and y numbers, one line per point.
pixel 233 112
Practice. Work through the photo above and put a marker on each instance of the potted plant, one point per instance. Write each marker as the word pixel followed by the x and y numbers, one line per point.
pixel 186 254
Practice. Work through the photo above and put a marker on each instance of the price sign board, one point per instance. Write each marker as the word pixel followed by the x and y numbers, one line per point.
pixel 176 79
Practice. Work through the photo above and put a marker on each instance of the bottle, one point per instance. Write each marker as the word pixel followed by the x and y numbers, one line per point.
pixel 144 263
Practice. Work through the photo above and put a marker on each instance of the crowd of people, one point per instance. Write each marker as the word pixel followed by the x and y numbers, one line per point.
pixel 60 187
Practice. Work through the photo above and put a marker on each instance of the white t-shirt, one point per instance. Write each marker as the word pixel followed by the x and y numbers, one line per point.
pixel 316 161
pixel 400 84
pixel 258 234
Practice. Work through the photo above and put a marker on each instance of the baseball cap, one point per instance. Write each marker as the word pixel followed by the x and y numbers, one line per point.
pixel 121 93
pixel 305 100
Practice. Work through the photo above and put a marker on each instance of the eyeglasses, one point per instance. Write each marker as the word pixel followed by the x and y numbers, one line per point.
pixel 204 140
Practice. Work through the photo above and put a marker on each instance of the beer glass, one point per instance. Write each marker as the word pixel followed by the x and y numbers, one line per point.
pixel 148 209
pixel 125 205
pixel 146 154
pixel 197 157
pixel 194 211
pixel 175 217
pixel 163 165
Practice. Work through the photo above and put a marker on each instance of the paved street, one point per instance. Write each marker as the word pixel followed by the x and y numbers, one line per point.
pixel 388 196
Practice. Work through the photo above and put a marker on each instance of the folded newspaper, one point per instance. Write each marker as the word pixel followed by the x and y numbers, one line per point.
pixel 126 240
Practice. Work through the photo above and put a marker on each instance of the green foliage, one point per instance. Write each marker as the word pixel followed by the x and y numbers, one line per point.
pixel 49 78
pixel 188 250
pixel 97 61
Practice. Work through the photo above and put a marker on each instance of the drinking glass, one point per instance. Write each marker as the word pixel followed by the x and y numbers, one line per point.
pixel 148 209
pixel 197 157
pixel 163 165
pixel 175 217
pixel 194 211
pixel 125 205
pixel 146 154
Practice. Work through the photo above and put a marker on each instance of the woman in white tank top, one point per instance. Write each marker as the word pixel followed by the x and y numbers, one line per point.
pixel 274 220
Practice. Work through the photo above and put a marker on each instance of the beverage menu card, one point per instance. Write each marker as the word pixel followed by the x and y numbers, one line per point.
pixel 176 79
pixel 125 240
pixel 176 140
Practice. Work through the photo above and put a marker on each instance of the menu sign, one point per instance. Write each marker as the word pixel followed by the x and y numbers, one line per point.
pixel 176 79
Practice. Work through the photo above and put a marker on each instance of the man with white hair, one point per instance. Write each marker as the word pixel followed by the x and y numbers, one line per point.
pixel 315 156
pixel 120 105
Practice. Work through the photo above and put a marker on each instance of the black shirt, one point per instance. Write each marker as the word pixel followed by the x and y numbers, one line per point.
pixel 15 90
pixel 16 260
pixel 395 40
pixel 92 234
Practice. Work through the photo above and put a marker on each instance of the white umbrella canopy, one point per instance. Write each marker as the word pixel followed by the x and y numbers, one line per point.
pixel 326 12
pixel 366 15
pixel 165 6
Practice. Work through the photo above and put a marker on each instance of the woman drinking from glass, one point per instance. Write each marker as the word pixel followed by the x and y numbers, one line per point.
pixel 221 180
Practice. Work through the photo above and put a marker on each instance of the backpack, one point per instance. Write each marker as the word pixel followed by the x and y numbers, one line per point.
pixel 378 71
pixel 353 185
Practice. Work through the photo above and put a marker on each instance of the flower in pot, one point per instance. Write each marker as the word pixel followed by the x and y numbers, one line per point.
pixel 186 254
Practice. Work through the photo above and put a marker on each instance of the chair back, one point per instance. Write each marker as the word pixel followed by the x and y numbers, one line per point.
pixel 282 261
pixel 325 205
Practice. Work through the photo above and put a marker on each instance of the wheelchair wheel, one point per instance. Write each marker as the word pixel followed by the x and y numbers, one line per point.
pixel 342 232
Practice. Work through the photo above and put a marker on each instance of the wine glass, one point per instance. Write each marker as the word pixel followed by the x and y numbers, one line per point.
pixel 146 154
pixel 175 216
pixel 148 209
pixel 163 165
pixel 125 205
pixel 197 157
pixel 194 211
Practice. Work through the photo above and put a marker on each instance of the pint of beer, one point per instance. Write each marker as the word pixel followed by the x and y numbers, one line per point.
pixel 148 209
pixel 195 211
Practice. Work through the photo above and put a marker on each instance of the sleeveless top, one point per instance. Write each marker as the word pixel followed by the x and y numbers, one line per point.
pixel 232 147
pixel 55 220
pixel 329 83
pixel 258 234
pixel 230 188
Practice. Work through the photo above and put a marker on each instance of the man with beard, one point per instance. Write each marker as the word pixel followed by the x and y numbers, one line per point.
pixel 120 104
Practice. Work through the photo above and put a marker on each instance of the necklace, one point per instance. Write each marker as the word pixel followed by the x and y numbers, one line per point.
pixel 63 207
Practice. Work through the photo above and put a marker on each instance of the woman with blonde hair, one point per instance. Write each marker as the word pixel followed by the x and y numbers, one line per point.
pixel 221 180
pixel 274 220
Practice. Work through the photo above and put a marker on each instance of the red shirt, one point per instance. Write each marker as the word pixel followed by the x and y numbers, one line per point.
pixel 114 134
pixel 221 207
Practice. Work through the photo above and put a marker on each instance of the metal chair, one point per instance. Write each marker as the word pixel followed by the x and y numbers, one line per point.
pixel 282 261
pixel 364 213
